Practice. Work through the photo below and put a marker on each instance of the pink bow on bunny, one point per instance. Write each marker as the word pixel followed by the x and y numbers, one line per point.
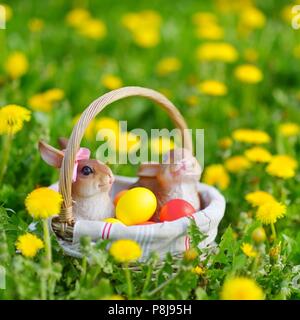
pixel 82 154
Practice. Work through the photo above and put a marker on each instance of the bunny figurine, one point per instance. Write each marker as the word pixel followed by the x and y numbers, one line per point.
pixel 175 178
pixel 92 181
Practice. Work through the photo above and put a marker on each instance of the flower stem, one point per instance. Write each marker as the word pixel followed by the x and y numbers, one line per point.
pixel 273 231
pixel 47 242
pixel 7 141
pixel 148 278
pixel 83 267
pixel 43 288
pixel 128 279
pixel 162 285
pixel 254 265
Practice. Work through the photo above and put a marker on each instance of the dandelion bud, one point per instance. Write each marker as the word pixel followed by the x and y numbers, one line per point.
pixel 190 255
pixel 274 251
pixel 259 235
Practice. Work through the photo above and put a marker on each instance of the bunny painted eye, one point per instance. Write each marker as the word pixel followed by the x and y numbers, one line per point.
pixel 86 170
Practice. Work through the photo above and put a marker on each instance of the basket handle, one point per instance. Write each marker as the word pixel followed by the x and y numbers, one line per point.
pixel 66 172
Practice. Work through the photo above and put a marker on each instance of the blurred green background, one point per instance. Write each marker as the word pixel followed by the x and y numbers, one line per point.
pixel 226 65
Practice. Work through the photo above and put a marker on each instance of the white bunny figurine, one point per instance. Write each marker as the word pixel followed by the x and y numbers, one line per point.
pixel 92 182
pixel 175 178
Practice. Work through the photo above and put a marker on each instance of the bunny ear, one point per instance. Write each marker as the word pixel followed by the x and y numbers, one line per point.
pixel 63 142
pixel 149 169
pixel 51 155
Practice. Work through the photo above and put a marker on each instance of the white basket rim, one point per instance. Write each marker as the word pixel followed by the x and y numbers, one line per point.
pixel 207 218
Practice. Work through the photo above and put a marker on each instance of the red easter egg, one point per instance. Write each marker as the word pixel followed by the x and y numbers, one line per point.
pixel 176 209
pixel 118 196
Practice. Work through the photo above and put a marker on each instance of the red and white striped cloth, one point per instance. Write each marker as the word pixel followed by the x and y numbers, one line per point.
pixel 160 237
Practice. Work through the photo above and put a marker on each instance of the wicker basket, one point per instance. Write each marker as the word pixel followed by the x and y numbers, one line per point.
pixel 161 237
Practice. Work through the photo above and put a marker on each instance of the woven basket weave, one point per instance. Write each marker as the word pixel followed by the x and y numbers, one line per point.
pixel 161 237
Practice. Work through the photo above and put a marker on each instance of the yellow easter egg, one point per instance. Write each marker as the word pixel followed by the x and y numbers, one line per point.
pixel 112 220
pixel 136 206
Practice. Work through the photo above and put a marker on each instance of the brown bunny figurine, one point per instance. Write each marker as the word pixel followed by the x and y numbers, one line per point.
pixel 175 178
pixel 92 181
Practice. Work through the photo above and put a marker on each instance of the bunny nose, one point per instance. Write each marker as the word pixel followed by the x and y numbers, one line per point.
pixel 179 167
pixel 111 180
pixel 184 165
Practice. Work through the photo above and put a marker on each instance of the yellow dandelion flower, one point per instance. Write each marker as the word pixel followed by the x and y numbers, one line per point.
pixel 144 26
pixel 289 129
pixel 113 297
pixel 258 154
pixel 259 235
pixel 190 254
pixel 274 169
pixel 212 88
pixel 235 6
pixel 252 18
pixel 54 94
pixel 146 37
pixel 131 21
pixel 168 65
pixel 107 128
pixel 107 123
pixel 44 101
pixel 248 73
pixel 147 18
pixel 77 17
pixel 91 131
pixel 93 29
pixel 111 82
pixel 16 65
pixel 237 164
pixel 43 203
pixel 128 142
pixel 282 166
pixel 125 250
pixel 210 32
pixel 123 142
pixel 36 25
pixel 216 174
pixel 204 18
pixel 29 244
pixel 225 143
pixel 198 270
pixel 12 118
pixel 258 198
pixel 161 145
pixel 241 288
pixel 150 18
pixel 248 250
pixel 213 51
pixel 270 212
pixel 251 136
pixel 38 102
